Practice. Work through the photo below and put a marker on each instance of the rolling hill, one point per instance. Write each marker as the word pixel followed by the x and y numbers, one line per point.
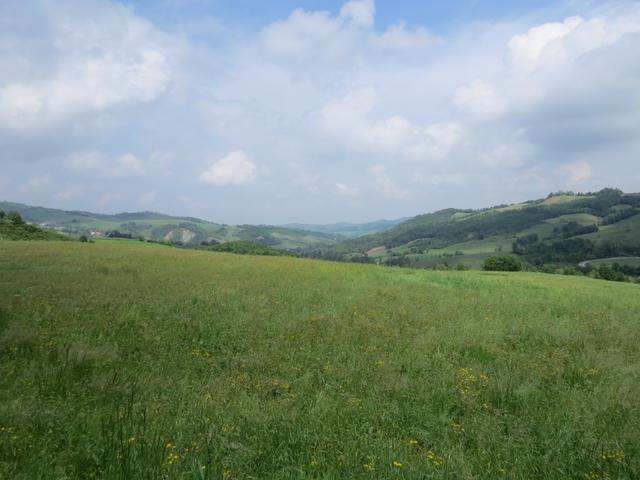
pixel 160 227
pixel 561 229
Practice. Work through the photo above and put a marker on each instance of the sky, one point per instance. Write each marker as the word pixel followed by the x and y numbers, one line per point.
pixel 245 111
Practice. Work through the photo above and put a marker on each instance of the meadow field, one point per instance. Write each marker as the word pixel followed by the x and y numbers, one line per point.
pixel 121 361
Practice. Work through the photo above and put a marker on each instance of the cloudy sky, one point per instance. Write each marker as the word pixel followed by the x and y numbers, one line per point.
pixel 245 111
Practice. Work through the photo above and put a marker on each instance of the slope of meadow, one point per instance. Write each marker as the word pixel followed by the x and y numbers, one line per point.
pixel 120 361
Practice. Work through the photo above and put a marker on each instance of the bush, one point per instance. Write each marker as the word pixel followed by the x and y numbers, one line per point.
pixel 15 218
pixel 83 239
pixel 502 263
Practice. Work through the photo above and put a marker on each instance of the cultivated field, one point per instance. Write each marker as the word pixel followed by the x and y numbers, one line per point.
pixel 123 361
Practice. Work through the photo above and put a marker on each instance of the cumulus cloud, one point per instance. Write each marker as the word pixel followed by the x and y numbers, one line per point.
pixel 319 35
pixel 480 99
pixel 577 173
pixel 36 183
pixel 344 190
pixel 385 185
pixel 233 169
pixel 99 96
pixel 96 163
pixel 147 199
pixel 99 56
pixel 70 192
pixel 349 118
pixel 360 13
pixel 529 49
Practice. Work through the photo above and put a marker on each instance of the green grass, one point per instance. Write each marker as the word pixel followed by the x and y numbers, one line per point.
pixel 630 261
pixel 121 361
pixel 625 232
pixel 580 218
pixel 121 241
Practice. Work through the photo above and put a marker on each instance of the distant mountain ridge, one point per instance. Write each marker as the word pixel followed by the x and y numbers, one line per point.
pixel 168 228
pixel 346 229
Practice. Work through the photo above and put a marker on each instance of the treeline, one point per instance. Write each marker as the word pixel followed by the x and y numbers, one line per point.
pixel 570 251
pixel 242 247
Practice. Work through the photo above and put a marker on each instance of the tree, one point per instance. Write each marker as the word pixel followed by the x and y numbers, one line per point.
pixel 15 218
pixel 2 214
pixel 503 263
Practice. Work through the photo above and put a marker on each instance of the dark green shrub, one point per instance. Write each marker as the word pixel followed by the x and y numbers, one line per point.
pixel 15 218
pixel 502 263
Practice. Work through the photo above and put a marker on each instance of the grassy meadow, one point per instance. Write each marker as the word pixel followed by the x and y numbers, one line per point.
pixel 122 361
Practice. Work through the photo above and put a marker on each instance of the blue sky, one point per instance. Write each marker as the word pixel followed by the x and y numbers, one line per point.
pixel 307 111
pixel 435 15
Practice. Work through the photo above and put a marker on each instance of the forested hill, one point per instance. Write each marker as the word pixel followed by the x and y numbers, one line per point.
pixel 564 227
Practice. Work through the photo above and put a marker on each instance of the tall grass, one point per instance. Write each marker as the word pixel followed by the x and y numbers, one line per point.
pixel 119 361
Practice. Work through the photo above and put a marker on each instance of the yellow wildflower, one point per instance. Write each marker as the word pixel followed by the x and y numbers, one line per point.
pixel 615 456
pixel 435 459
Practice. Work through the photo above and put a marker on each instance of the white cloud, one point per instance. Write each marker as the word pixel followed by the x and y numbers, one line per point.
pixel 440 180
pixel 360 13
pixel 577 173
pixel 99 96
pixel 301 32
pixel 147 199
pixel 70 192
pixel 385 185
pixel 36 183
pixel 233 169
pixel 344 190
pixel 527 50
pixel 320 36
pixel 480 99
pixel 307 181
pixel 349 118
pixel 504 156
pixel 398 38
pixel 95 163
pixel 108 198
pixel 101 56
pixel 85 161
pixel 129 164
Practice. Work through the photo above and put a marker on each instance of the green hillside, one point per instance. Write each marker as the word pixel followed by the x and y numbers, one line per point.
pixel 13 227
pixel 562 229
pixel 160 227
pixel 118 360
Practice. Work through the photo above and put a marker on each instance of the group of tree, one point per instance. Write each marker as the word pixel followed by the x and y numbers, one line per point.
pixel 573 229
pixel 503 263
pixel 12 217
pixel 118 234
